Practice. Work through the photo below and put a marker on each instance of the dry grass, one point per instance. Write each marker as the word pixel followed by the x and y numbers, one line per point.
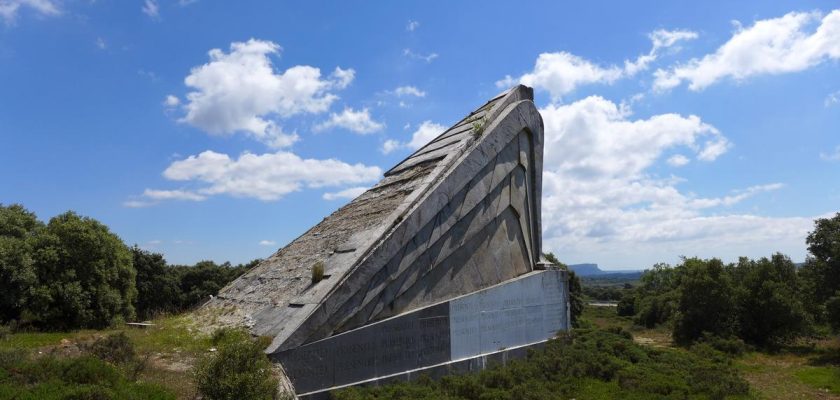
pixel 780 376
pixel 172 346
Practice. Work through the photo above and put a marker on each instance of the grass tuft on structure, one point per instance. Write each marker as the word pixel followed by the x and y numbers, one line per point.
pixel 317 272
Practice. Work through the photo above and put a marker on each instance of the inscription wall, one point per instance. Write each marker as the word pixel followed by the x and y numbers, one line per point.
pixel 525 310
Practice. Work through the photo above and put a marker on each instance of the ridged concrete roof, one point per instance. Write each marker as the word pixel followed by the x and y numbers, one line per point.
pixel 362 245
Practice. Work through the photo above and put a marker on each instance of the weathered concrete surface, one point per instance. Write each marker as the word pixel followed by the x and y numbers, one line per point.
pixel 521 311
pixel 460 214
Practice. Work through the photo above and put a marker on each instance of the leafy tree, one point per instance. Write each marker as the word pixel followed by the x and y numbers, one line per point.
pixel 833 312
pixel 661 278
pixel 706 301
pixel 575 290
pixel 769 310
pixel 85 275
pixel 18 229
pixel 658 295
pixel 157 284
pixel 197 283
pixel 821 273
pixel 627 305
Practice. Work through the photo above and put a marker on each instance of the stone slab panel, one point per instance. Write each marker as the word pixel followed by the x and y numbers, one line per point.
pixel 515 313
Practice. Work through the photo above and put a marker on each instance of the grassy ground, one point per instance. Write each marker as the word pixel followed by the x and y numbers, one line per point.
pixel 170 349
pixel 808 370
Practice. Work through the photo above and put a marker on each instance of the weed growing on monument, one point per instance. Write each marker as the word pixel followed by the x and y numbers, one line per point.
pixel 317 272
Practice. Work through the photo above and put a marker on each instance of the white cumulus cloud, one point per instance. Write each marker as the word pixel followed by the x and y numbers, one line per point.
pixel 427 131
pixel 832 99
pixel 349 193
pixel 791 43
pixel 418 56
pixel 9 9
pixel 561 73
pixel 240 91
pixel 173 195
pixel 171 101
pixel 151 8
pixel 357 121
pixel 409 91
pixel 390 145
pixel 266 177
pixel 831 156
pixel 267 243
pixel 678 160
pixel 411 26
pixel 601 201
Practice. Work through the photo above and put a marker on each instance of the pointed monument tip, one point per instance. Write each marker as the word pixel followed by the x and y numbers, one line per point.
pixel 521 91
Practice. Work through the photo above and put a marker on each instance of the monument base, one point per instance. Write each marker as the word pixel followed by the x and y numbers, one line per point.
pixel 464 366
pixel 464 334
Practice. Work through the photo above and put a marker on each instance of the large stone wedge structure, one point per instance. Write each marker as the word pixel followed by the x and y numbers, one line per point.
pixel 456 223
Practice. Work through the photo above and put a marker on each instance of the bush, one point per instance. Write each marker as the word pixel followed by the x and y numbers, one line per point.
pixel 656 309
pixel 83 378
pixel 586 364
pixel 238 370
pixel 115 348
pixel 627 305
pixel 733 346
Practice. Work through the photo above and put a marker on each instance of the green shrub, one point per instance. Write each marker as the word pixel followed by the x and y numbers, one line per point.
pixel 627 305
pixel 592 364
pixel 89 370
pixel 656 309
pixel 115 348
pixel 733 346
pixel 238 370
pixel 84 378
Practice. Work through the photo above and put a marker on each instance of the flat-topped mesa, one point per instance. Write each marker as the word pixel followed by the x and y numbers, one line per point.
pixel 459 215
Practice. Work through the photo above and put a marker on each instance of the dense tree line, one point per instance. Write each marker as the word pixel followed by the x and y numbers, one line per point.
pixel 73 272
pixel 764 302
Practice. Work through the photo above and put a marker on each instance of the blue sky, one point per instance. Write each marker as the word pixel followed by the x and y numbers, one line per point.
pixel 223 130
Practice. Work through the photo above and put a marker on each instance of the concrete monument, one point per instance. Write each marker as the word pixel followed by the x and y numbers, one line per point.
pixel 437 268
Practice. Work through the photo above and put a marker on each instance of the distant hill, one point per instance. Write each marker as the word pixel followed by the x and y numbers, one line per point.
pixel 592 270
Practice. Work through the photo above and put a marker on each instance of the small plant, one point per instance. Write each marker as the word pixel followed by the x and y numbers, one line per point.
pixel 115 348
pixel 478 127
pixel 317 272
